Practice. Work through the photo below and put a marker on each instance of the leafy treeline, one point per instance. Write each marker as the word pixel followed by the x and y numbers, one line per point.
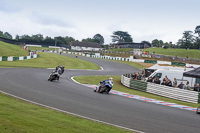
pixel 189 40
pixel 118 36
pixel 56 41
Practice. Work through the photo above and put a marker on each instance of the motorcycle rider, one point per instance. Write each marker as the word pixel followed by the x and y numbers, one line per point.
pixel 110 81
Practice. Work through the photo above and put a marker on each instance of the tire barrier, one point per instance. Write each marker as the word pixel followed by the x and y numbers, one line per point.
pixel 13 58
pixel 161 90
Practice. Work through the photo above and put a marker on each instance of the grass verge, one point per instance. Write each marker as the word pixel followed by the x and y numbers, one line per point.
pixel 21 117
pixel 94 80
pixel 48 60
pixel 7 49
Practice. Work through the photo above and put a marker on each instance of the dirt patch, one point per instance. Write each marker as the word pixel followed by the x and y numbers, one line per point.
pixel 146 65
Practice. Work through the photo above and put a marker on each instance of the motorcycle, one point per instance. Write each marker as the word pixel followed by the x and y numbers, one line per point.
pixel 198 110
pixel 54 76
pixel 103 86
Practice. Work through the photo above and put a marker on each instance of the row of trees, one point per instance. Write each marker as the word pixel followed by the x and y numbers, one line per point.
pixel 118 36
pixel 58 41
pixel 189 40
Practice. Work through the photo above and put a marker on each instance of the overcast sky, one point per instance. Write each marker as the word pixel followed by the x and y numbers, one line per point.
pixel 143 19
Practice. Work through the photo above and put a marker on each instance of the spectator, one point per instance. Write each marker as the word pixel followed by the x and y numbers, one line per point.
pixel 197 87
pixel 166 78
pixel 187 86
pixel 181 85
pixel 133 75
pixel 168 82
pixel 156 80
pixel 139 76
pixel 150 79
pixel 163 83
pixel 175 83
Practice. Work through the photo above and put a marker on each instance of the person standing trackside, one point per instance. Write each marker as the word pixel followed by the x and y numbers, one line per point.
pixel 187 86
pixel 175 83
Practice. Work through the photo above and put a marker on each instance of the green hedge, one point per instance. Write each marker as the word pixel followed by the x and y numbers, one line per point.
pixel 138 85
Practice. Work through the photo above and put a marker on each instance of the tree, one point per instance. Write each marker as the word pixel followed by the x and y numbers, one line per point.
pixel 60 41
pixel 7 35
pixel 88 40
pixel 68 40
pixel 197 30
pixel 17 37
pixel 157 43
pixel 188 39
pixel 99 39
pixel 1 34
pixel 120 36
pixel 37 37
pixel 49 40
pixel 197 43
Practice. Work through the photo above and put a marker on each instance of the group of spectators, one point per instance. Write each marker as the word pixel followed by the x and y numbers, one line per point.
pixel 137 76
pixel 166 81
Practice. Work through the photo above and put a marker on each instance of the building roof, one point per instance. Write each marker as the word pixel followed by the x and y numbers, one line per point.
pixel 131 43
pixel 86 44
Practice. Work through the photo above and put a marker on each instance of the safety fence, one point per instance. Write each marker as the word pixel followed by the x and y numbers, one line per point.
pixel 161 90
pixel 13 58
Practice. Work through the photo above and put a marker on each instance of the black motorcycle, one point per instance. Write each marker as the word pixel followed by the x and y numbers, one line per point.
pixel 54 76
pixel 198 110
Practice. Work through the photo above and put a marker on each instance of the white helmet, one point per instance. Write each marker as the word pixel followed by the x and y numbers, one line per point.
pixel 110 78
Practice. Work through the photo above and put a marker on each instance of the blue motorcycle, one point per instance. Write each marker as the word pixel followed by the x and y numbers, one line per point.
pixel 104 86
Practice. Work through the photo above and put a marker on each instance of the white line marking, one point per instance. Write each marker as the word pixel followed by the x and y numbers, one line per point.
pixel 71 113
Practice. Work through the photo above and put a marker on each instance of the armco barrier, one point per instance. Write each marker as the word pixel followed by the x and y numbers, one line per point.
pixel 174 93
pixel 138 85
pixel 199 98
pixel 161 90
pixel 125 81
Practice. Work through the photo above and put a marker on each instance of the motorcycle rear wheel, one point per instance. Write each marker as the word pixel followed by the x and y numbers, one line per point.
pixel 198 110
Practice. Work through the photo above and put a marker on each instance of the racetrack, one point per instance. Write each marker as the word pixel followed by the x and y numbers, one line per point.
pixel 32 84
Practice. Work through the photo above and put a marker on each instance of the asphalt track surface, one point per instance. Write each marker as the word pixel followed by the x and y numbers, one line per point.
pixel 32 84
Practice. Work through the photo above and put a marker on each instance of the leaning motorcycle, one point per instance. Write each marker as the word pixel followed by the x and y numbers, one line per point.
pixel 103 87
pixel 53 76
pixel 198 110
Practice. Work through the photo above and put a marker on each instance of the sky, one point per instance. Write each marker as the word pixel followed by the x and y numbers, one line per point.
pixel 144 20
